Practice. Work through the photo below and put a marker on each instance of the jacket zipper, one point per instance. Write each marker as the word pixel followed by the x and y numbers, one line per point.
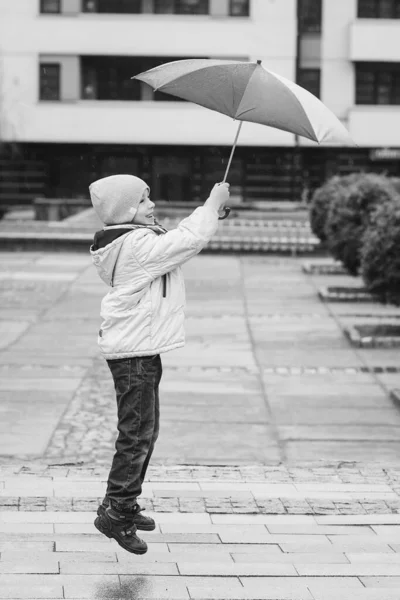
pixel 164 286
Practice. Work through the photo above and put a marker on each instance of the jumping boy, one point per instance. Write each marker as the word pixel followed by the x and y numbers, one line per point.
pixel 142 316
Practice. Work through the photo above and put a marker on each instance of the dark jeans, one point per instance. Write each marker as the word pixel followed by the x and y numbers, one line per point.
pixel 136 383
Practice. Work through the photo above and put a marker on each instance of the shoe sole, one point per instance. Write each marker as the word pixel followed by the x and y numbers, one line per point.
pixel 109 534
pixel 101 511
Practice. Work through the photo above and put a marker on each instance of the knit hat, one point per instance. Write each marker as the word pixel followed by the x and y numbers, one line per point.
pixel 116 198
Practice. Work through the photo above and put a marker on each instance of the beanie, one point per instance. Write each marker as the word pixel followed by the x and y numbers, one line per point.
pixel 116 198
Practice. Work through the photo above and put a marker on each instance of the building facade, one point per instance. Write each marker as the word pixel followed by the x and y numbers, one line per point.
pixel 70 112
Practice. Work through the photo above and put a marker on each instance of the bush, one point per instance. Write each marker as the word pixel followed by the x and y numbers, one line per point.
pixel 349 215
pixel 395 181
pixel 380 254
pixel 323 198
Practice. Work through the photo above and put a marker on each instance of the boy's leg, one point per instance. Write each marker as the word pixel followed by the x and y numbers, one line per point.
pixel 156 422
pixel 135 382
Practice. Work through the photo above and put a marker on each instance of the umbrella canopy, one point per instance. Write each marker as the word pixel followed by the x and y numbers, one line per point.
pixel 247 91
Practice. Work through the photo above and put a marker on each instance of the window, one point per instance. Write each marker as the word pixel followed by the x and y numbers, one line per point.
pixel 310 16
pixel 181 7
pixel 49 77
pixel 239 8
pixel 310 79
pixel 50 6
pixel 110 77
pixel 379 9
pixel 378 83
pixel 113 6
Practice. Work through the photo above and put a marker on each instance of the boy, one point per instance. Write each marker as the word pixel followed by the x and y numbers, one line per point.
pixel 142 316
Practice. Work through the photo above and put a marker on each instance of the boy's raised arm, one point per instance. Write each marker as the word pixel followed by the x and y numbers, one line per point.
pixel 159 255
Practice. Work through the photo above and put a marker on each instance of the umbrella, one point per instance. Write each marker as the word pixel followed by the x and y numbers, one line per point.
pixel 247 91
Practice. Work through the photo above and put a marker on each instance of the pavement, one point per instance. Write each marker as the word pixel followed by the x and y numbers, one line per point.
pixel 276 474
pixel 316 533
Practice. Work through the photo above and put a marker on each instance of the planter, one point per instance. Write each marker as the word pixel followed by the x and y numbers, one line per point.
pixel 323 268
pixel 346 294
pixel 382 335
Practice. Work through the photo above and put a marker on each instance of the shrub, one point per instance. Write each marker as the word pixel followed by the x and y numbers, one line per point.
pixel 395 181
pixel 323 198
pixel 349 215
pixel 380 253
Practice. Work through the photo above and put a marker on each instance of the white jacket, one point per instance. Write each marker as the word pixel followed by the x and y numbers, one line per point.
pixel 136 319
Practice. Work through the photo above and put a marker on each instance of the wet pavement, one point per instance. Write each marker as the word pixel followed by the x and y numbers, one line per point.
pixel 276 474
pixel 267 375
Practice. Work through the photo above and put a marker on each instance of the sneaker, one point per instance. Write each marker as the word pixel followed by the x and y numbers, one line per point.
pixel 143 523
pixel 120 526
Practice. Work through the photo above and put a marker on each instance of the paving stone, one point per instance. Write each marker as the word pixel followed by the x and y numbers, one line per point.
pixel 118 568
pixel 99 546
pixel 46 517
pixel 363 530
pixel 259 587
pixel 319 546
pixel 387 530
pixel 58 504
pixel 228 548
pixel 91 586
pixel 270 505
pixel 16 556
pixel 25 528
pixel 381 582
pixel 352 570
pixel 370 557
pixel 216 529
pixel 30 586
pixel 28 567
pixel 191 505
pixel 236 569
pixel 214 587
pixel 174 557
pixel 293 558
pixel 184 538
pixel 33 547
pixel 267 538
pixel 262 519
pixel 359 594
pixel 154 587
pixel 373 519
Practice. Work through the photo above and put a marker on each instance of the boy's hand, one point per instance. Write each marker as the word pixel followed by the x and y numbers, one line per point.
pixel 219 196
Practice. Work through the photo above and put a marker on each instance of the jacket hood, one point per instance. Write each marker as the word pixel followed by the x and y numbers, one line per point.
pixel 107 245
pixel 116 198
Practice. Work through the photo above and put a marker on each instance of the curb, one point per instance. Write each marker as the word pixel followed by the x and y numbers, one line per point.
pixel 349 294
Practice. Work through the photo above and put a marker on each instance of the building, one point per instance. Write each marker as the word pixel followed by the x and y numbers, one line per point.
pixel 70 112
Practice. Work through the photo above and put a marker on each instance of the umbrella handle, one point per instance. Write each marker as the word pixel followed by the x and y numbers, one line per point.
pixel 227 210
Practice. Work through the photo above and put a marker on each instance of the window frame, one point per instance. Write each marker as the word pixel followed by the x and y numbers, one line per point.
pixel 378 71
pixel 50 12
pixel 377 7
pixel 43 65
pixel 101 72
pixel 177 9
pixel 242 16
pixel 105 12
pixel 305 23
pixel 313 70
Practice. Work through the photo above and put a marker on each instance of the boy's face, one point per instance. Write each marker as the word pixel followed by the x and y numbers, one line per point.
pixel 144 215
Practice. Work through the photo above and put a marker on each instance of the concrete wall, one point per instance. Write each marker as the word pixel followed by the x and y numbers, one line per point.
pixel 375 125
pixel 375 40
pixel 337 76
